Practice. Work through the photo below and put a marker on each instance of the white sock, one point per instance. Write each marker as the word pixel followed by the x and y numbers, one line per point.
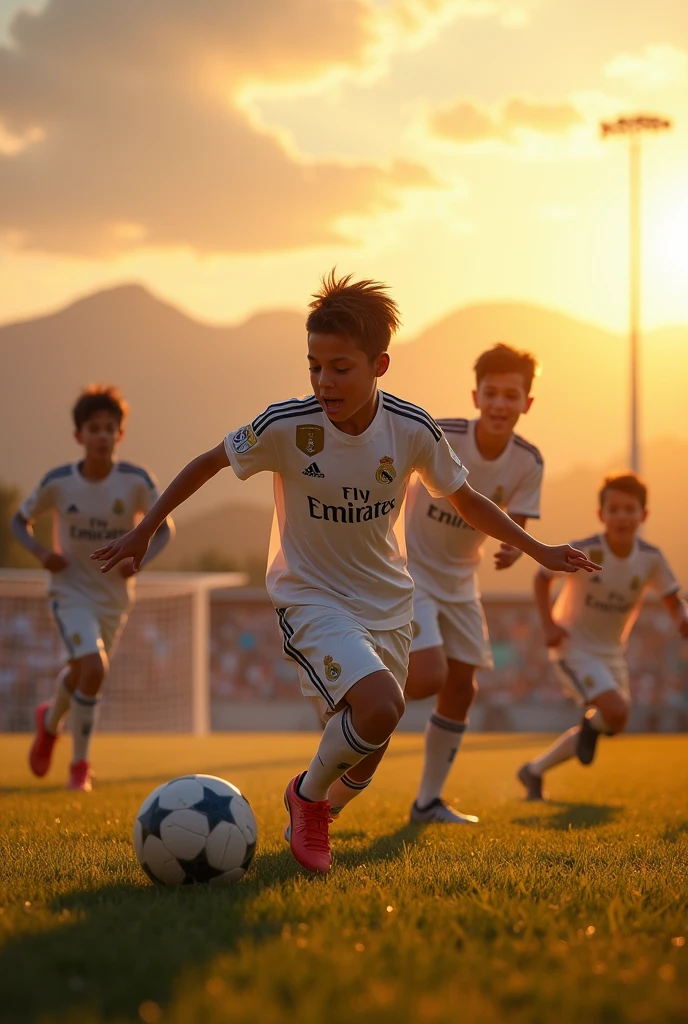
pixel 563 749
pixel 340 749
pixel 60 703
pixel 344 790
pixel 442 741
pixel 83 720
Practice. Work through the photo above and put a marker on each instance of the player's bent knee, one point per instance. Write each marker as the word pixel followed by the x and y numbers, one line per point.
pixel 91 673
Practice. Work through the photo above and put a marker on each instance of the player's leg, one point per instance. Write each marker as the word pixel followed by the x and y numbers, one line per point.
pixel 608 715
pixel 49 717
pixel 365 704
pixel 601 688
pixel 466 645
pixel 95 639
pixel 50 714
pixel 392 646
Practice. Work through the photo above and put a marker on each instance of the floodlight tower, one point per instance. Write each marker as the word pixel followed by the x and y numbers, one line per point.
pixel 633 128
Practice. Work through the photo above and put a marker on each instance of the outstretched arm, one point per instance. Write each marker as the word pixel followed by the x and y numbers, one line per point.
pixel 508 554
pixel 135 543
pixel 482 514
pixel 676 607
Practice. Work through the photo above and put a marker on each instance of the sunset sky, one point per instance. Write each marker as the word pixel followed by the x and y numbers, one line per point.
pixel 226 153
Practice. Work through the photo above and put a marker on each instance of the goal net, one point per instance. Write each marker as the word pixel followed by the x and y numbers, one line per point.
pixel 159 676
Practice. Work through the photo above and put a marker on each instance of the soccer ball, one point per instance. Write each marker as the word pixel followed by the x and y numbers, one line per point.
pixel 197 828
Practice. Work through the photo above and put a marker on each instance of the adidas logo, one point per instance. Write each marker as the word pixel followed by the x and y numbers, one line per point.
pixel 313 470
pixel 72 508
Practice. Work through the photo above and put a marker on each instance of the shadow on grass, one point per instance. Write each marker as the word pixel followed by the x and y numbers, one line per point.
pixel 109 949
pixel 672 833
pixel 571 816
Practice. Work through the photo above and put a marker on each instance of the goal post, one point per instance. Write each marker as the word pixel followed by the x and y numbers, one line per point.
pixel 159 676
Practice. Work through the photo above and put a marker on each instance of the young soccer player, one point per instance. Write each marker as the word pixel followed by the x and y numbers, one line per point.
pixel 341 460
pixel 592 617
pixel 450 639
pixel 92 500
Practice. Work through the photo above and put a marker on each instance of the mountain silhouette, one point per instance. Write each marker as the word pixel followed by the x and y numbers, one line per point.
pixel 188 383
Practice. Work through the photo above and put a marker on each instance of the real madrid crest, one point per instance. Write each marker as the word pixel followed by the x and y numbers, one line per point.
pixel 498 496
pixel 385 472
pixel 118 507
pixel 332 669
pixel 596 555
pixel 635 583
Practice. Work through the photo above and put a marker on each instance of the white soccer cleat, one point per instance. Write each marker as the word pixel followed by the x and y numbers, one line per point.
pixel 438 811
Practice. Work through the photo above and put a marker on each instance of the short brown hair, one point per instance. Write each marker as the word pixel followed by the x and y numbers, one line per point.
pixel 626 482
pixel 97 398
pixel 361 310
pixel 503 358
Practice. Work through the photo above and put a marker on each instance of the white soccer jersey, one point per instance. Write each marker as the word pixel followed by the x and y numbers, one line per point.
pixel 337 498
pixel 443 550
pixel 598 610
pixel 88 513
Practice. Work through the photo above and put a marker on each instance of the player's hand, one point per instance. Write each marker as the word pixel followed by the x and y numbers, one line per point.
pixel 126 568
pixel 506 556
pixel 53 561
pixel 564 558
pixel 555 634
pixel 132 545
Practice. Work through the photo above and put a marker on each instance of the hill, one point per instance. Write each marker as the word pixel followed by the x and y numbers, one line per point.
pixel 189 383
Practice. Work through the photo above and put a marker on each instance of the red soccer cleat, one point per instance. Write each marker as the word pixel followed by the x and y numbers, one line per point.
pixel 309 832
pixel 80 776
pixel 41 752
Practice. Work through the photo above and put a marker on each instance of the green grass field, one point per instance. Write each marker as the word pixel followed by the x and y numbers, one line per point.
pixel 571 911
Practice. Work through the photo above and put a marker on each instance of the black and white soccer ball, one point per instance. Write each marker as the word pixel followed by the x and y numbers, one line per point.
pixel 197 828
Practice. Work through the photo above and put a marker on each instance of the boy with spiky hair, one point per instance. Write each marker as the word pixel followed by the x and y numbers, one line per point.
pixel 341 459
pixel 587 629
pixel 95 499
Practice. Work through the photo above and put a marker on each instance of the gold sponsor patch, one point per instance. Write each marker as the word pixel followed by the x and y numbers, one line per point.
pixel 332 669
pixel 498 496
pixel 118 507
pixel 588 682
pixel 596 555
pixel 76 639
pixel 385 472
pixel 310 438
pixel 635 583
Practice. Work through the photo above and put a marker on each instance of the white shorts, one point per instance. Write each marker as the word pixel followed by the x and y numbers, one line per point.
pixel 86 629
pixel 333 651
pixel 585 676
pixel 459 627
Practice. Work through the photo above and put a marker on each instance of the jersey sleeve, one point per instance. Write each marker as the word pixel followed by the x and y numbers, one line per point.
pixel 148 494
pixel 439 467
pixel 525 501
pixel 662 579
pixel 252 449
pixel 42 499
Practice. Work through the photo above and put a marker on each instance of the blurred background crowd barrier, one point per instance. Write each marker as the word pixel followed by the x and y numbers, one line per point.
pixel 250 685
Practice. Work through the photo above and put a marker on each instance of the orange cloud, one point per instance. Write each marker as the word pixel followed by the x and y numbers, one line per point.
pixel 133 134
pixel 465 122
